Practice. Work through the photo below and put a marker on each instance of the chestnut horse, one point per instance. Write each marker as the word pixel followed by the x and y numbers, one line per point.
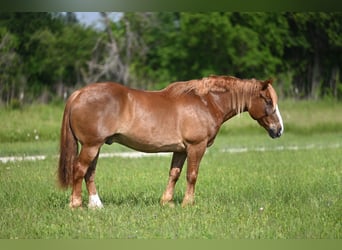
pixel 184 118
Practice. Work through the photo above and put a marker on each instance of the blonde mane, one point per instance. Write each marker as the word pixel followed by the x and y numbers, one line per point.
pixel 241 90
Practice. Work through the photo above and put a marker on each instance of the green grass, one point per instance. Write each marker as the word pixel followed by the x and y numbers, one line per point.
pixel 31 123
pixel 270 194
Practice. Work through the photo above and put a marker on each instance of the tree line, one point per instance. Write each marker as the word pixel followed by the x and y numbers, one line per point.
pixel 44 56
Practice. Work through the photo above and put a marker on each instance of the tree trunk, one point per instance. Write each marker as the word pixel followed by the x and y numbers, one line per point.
pixel 316 77
pixel 333 80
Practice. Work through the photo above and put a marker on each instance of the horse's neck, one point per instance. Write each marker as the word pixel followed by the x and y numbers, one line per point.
pixel 230 103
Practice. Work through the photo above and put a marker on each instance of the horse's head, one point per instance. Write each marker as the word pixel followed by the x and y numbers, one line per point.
pixel 264 109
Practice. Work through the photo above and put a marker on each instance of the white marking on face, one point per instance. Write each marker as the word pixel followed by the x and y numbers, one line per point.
pixel 280 120
pixel 94 201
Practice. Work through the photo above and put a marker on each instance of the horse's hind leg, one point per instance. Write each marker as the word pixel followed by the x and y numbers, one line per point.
pixel 86 158
pixel 175 171
pixel 94 199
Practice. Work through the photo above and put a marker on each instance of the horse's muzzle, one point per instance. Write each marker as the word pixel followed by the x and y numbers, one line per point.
pixel 275 133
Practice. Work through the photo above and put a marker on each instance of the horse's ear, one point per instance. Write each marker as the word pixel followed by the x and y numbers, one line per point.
pixel 266 83
pixel 269 81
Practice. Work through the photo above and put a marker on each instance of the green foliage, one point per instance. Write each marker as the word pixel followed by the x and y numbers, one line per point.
pixel 314 39
pixel 10 70
pixel 49 54
pixel 47 49
pixel 297 49
pixel 15 104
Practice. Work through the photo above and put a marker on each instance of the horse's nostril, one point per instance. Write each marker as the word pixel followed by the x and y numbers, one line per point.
pixel 280 132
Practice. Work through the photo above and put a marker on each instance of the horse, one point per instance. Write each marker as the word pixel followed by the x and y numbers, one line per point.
pixel 183 118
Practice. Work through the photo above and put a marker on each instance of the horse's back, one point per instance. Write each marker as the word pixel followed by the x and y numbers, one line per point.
pixel 108 112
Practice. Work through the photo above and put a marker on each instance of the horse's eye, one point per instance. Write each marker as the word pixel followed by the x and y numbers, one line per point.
pixel 269 106
pixel 269 102
pixel 269 110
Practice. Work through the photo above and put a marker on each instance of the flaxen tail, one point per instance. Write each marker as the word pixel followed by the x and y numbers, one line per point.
pixel 68 148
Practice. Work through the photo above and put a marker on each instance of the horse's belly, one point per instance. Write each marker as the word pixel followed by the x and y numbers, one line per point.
pixel 151 145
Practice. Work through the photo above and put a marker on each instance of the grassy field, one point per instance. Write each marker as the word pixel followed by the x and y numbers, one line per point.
pixel 249 186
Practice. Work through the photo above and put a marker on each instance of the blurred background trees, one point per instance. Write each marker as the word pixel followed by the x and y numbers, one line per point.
pixel 45 56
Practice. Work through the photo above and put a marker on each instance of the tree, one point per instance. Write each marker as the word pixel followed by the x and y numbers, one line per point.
pixel 22 26
pixel 11 81
pixel 198 44
pixel 117 50
pixel 50 48
pixel 42 54
pixel 73 48
pixel 314 51
pixel 162 49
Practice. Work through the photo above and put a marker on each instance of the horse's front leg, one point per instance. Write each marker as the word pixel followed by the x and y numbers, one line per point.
pixel 195 154
pixel 175 171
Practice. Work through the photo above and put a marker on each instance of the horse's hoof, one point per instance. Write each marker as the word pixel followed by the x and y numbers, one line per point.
pixel 169 204
pixel 75 203
pixel 95 202
pixel 74 207
pixel 188 203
